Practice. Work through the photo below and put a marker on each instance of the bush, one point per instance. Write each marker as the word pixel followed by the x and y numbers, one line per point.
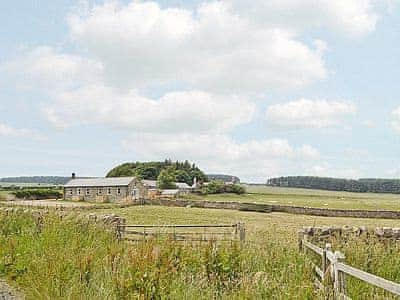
pixel 36 194
pixel 219 187
pixel 166 179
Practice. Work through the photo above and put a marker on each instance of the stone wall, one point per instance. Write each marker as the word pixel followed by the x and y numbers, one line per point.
pixel 258 207
pixel 110 221
pixel 323 232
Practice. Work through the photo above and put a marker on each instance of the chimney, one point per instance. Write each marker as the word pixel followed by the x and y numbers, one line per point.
pixel 73 176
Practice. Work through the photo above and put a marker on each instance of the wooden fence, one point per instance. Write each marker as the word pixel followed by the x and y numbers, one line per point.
pixel 189 233
pixel 332 264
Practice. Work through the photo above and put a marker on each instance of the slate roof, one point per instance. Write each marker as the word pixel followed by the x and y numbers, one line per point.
pixel 153 184
pixel 149 183
pixel 182 185
pixel 99 182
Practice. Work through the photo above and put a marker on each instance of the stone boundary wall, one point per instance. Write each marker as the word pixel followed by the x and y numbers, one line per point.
pixel 259 207
pixel 111 221
pixel 391 233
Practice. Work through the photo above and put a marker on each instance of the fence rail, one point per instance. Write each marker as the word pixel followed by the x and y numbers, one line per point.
pixel 333 265
pixel 189 232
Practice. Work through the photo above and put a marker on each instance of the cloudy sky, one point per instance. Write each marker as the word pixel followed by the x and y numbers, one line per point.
pixel 255 88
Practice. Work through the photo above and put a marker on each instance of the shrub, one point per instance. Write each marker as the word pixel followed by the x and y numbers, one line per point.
pixel 219 187
pixel 166 179
pixel 37 194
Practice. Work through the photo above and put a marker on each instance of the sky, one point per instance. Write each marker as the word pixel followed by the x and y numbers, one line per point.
pixel 254 88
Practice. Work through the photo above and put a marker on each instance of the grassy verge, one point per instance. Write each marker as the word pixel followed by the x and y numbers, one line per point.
pixel 75 260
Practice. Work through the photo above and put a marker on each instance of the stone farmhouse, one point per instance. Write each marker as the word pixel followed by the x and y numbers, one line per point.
pixel 113 189
pixel 117 189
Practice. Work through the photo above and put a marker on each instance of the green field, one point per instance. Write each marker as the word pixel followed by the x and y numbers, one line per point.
pixel 310 198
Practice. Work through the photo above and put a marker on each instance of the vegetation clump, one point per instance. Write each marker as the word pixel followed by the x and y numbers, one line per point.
pixel 219 187
pixel 37 194
pixel 166 179
pixel 183 171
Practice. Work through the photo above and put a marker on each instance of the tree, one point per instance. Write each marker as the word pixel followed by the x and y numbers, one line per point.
pixel 166 179
pixel 182 176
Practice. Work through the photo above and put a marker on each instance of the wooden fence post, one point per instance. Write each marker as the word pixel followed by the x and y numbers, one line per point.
pixel 242 232
pixel 339 280
pixel 324 262
pixel 300 236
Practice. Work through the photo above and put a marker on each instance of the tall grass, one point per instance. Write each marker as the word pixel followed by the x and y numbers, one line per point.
pixel 368 253
pixel 71 259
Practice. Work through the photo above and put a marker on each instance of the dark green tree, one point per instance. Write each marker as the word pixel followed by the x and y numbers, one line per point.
pixel 166 179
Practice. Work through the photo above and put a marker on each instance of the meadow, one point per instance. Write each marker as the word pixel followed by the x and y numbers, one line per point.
pixel 70 259
pixel 310 198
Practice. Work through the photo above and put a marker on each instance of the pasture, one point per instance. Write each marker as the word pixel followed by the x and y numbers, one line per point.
pixel 310 198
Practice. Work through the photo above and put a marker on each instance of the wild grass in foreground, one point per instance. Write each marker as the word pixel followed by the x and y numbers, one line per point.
pixel 367 253
pixel 71 259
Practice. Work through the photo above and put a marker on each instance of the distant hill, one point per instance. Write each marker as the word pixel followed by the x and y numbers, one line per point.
pixel 223 177
pixel 184 171
pixel 56 180
pixel 363 185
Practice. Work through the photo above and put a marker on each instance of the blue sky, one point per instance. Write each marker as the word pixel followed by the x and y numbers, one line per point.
pixel 258 90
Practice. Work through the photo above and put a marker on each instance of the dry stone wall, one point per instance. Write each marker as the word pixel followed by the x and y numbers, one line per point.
pixel 259 207
pixel 391 233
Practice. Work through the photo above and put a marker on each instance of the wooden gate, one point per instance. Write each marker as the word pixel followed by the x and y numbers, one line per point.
pixel 188 233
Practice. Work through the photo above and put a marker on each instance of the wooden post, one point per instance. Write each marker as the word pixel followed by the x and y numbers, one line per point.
pixel 339 281
pixel 324 262
pixel 242 232
pixel 300 236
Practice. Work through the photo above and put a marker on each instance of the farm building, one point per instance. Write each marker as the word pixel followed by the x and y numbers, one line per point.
pixel 112 189
pixel 181 187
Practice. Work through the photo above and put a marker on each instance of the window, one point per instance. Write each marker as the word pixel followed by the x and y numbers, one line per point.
pixel 109 191
pixel 118 191
pixel 79 191
pixel 87 191
pixel 70 192
pixel 100 191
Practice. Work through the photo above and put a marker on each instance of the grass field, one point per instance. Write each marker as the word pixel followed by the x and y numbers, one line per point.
pixel 310 198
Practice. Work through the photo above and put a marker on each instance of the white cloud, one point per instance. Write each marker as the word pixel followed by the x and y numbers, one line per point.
pixel 305 113
pixel 352 18
pixel 8 131
pixel 253 160
pixel 192 111
pixel 210 48
pixel 45 68
pixel 396 119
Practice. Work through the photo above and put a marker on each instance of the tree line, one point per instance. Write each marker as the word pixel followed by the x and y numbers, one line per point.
pixel 363 185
